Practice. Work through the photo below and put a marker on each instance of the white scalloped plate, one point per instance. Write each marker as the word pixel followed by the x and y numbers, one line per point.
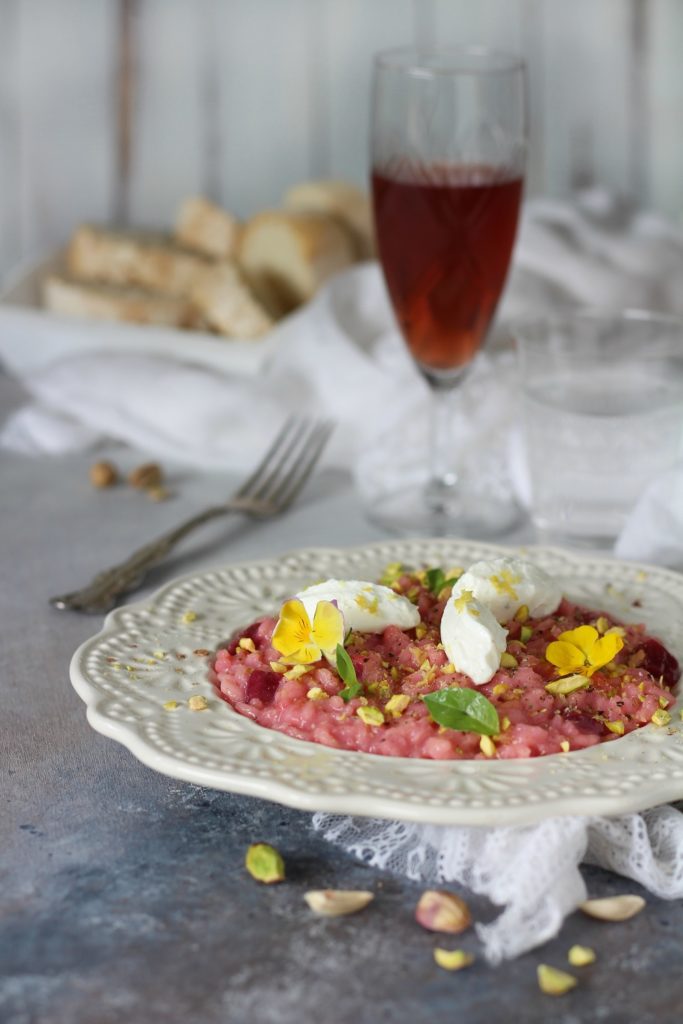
pixel 123 680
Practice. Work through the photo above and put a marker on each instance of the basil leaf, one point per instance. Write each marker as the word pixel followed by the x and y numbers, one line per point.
pixel 435 580
pixel 464 710
pixel 348 674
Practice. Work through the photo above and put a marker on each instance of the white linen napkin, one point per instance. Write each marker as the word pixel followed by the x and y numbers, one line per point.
pixel 531 873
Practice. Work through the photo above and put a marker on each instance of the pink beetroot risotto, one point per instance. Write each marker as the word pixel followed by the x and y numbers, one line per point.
pixel 304 701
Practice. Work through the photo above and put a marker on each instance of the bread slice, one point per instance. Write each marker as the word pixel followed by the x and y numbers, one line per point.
pixel 113 302
pixel 291 253
pixel 224 299
pixel 339 199
pixel 206 228
pixel 141 259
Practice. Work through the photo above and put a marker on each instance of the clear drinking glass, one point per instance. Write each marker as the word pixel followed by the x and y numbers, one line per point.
pixel 449 137
pixel 602 412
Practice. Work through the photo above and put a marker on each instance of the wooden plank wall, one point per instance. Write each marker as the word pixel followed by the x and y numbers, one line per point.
pixel 116 109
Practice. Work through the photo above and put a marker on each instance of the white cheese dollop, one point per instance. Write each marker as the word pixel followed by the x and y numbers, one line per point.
pixel 505 584
pixel 366 607
pixel 472 638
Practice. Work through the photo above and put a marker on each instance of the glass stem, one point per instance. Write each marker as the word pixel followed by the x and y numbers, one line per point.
pixel 443 482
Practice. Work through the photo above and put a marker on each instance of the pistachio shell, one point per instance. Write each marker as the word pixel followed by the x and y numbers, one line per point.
pixel 264 863
pixel 554 982
pixel 440 911
pixel 337 902
pixel 613 908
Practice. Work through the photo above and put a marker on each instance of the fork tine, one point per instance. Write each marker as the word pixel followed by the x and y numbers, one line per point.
pixel 290 425
pixel 286 459
pixel 290 487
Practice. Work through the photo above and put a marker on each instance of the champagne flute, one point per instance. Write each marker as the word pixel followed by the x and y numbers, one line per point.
pixel 449 141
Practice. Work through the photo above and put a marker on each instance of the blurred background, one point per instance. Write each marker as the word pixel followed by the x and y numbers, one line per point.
pixel 115 110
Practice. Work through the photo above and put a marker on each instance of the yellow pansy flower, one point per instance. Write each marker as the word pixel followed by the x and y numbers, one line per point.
pixel 582 650
pixel 300 641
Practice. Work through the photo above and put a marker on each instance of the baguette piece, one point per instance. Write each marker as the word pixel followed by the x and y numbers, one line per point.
pixel 228 305
pixel 339 199
pixel 112 302
pixel 291 253
pixel 207 228
pixel 142 259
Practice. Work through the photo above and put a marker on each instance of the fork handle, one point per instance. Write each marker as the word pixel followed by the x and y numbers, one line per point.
pixel 101 593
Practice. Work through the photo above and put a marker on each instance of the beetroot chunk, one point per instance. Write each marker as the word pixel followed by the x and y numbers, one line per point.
pixel 262 685
pixel 659 662
pixel 584 723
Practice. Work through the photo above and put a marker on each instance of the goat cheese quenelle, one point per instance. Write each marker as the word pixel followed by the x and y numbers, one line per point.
pixel 485 662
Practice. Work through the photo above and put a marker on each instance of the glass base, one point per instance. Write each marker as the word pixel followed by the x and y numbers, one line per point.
pixel 415 513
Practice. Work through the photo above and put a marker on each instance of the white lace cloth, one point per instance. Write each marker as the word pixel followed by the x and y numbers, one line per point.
pixel 531 873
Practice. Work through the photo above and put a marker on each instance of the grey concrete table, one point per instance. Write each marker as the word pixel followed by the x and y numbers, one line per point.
pixel 123 896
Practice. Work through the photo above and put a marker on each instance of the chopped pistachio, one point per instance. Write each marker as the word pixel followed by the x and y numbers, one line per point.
pixel 487 746
pixel 616 630
pixel 570 684
pixel 396 705
pixel 553 982
pixel 171 705
pixel 615 727
pixel 453 959
pixel 189 616
pixel 447 670
pixel 564 746
pixel 316 693
pixel 159 654
pixel 522 613
pixel 664 702
pixel 581 956
pixel 247 644
pixel 296 671
pixel 370 715
pixel 499 689
pixel 505 723
pixel 392 572
pixel 525 634
pixel 602 624
pixel 278 667
pixel 660 717
pixel 264 863
pixel 420 631
pixel 197 703
pixel 508 660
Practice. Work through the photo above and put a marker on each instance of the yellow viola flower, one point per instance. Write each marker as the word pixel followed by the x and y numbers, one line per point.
pixel 582 651
pixel 300 641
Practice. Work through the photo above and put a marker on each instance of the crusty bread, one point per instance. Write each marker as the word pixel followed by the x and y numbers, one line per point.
pixel 350 205
pixel 141 259
pixel 207 228
pixel 113 302
pixel 227 304
pixel 291 253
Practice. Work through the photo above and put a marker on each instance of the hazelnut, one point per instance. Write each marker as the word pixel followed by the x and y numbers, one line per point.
pixel 103 474
pixel 147 475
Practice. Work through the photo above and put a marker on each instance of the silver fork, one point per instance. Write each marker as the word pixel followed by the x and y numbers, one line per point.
pixel 270 489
